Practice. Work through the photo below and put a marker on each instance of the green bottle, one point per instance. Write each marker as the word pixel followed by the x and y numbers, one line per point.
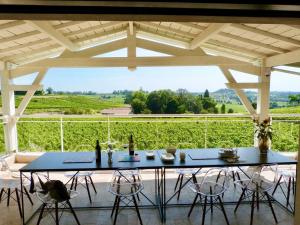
pixel 131 145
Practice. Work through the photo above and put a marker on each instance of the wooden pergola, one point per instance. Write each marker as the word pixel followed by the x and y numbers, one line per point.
pixel 250 37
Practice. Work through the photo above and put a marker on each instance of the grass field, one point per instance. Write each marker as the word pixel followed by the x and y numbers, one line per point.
pixel 70 103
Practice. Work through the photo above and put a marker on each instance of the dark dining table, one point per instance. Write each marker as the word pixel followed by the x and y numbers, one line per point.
pixel 195 158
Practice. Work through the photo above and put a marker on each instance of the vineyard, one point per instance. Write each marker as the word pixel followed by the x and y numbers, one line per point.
pixel 80 134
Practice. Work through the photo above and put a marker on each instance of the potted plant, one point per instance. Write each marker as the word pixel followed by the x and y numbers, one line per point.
pixel 263 131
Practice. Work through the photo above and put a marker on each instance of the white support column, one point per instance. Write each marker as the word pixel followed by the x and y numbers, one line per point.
pixel 263 97
pixel 131 45
pixel 8 108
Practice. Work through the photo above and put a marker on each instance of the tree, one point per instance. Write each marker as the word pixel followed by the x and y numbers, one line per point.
pixel 230 110
pixel 206 94
pixel 138 106
pixel 223 108
pixel 154 102
pixel 172 106
pixel 49 90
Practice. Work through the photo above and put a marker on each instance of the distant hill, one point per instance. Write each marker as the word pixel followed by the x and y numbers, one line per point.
pixel 229 96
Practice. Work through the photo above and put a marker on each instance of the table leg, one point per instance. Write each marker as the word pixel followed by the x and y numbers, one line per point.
pixel 22 199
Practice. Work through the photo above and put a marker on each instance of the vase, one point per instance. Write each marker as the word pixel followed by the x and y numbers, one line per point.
pixel 264 145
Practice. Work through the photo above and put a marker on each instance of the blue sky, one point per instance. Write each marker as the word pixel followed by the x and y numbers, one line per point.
pixel 194 79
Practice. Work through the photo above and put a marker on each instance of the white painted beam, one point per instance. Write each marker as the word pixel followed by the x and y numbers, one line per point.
pixel 205 35
pixel 286 71
pixel 266 34
pixel 167 49
pixel 8 108
pixel 283 59
pixel 131 46
pixel 240 93
pixel 263 98
pixel 46 28
pixel 19 87
pixel 29 94
pixel 243 85
pixel 139 61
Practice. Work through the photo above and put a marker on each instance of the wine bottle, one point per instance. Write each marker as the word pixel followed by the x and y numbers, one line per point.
pixel 131 145
pixel 98 152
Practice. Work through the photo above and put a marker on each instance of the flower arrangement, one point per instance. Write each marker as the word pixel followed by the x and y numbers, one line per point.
pixel 263 131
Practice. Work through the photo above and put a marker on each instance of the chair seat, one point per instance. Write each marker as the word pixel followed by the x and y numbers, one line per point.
pixel 127 173
pixel 79 174
pixel 46 198
pixel 257 184
pixel 125 189
pixel 189 171
pixel 10 182
pixel 208 188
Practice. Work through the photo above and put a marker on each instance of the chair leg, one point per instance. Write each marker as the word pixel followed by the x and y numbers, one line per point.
pixel 56 214
pixel 257 197
pixel 252 208
pixel 180 187
pixel 73 212
pixel 204 210
pixel 177 181
pixel 240 199
pixel 293 186
pixel 137 209
pixel 288 191
pixel 193 205
pixel 114 207
pixel 223 210
pixel 277 184
pixel 8 196
pixel 76 183
pixel 117 210
pixel 137 195
pixel 28 196
pixel 88 189
pixel 93 185
pixel 18 201
pixel 72 184
pixel 271 206
pixel 1 193
pixel 41 214
pixel 211 201
pixel 233 178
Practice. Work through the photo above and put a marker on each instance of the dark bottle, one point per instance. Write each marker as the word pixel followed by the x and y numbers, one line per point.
pixel 131 145
pixel 98 152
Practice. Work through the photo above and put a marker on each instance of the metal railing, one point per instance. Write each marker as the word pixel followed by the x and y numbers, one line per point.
pixel 69 133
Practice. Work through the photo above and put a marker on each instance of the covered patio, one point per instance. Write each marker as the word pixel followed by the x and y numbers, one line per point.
pixel 35 46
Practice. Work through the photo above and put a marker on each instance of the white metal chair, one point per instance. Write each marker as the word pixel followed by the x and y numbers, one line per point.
pixel 257 187
pixel 125 187
pixel 10 185
pixel 286 182
pixel 54 196
pixel 211 188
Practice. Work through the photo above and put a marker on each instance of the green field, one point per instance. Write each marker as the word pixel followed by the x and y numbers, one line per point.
pixel 70 104
pixel 80 134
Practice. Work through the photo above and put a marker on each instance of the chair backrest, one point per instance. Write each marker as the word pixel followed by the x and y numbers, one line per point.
pixel 218 176
pixel 4 167
pixel 126 182
pixel 267 172
pixel 56 190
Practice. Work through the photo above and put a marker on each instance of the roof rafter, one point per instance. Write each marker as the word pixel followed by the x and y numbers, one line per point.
pixel 45 27
pixel 94 28
pixel 205 35
pixel 167 29
pixel 12 24
pixel 19 36
pixel 283 59
pixel 266 34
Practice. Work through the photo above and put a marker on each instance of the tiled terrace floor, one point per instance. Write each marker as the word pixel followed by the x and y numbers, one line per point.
pixel 175 215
